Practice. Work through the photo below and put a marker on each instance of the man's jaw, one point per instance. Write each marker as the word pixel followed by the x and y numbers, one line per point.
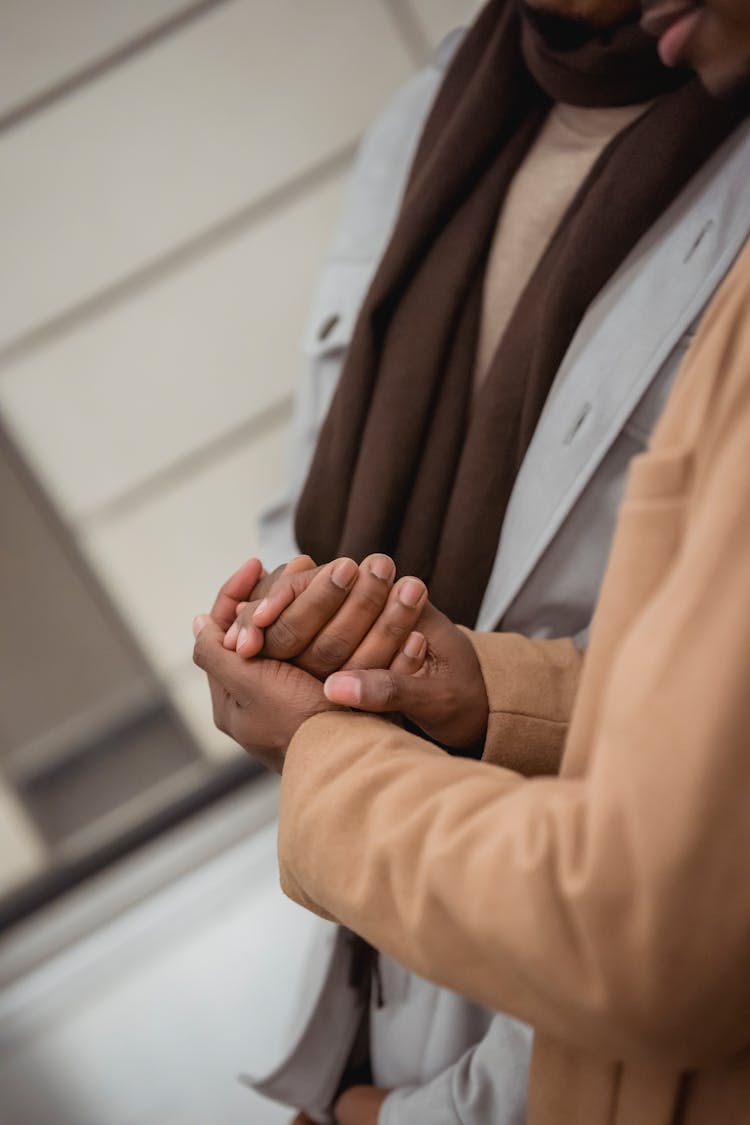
pixel 673 23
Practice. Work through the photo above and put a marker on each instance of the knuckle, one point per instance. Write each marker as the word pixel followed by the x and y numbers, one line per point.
pixel 370 597
pixel 389 690
pixel 283 639
pixel 330 649
pixel 394 630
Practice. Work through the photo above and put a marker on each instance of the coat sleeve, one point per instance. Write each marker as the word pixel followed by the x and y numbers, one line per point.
pixel 531 688
pixel 610 911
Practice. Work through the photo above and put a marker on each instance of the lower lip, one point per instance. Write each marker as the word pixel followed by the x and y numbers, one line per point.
pixel 674 40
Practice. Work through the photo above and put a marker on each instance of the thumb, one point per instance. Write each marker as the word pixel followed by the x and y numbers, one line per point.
pixel 199 624
pixel 374 689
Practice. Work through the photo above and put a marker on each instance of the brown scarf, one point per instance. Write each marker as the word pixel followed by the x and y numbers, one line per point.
pixel 401 467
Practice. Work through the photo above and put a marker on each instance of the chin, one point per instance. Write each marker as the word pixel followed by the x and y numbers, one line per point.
pixel 598 13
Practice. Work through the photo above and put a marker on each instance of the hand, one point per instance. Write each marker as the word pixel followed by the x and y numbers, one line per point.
pixel 447 697
pixel 259 703
pixel 242 634
pixel 251 580
pixel 340 616
pixel 360 1105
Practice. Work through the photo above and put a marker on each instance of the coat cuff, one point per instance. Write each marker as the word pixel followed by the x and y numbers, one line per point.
pixel 531 688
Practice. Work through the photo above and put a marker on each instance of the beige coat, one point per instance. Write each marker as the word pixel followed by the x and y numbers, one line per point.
pixel 609 906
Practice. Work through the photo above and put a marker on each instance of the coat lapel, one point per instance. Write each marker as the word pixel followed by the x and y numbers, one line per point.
pixel 622 345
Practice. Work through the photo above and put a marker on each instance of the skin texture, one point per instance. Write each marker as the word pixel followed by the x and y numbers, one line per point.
pixel 434 679
pixel 251 580
pixel 332 617
pixel 446 697
pixel 262 702
pixel 719 47
pixel 430 675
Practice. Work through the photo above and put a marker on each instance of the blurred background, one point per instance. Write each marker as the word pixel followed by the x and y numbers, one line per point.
pixel 170 175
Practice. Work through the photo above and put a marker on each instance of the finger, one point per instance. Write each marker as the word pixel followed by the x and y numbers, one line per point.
pixel 376 689
pixel 389 633
pixel 242 635
pixel 282 595
pixel 220 700
pixel 220 665
pixel 230 637
pixel 288 586
pixel 248 638
pixel 199 623
pixel 249 641
pixel 298 564
pixel 339 638
pixel 267 581
pixel 299 573
pixel 245 638
pixel 235 589
pixel 411 657
pixel 305 616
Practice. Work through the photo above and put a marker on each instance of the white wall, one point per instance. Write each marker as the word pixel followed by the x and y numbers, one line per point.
pixel 171 172
pixel 162 221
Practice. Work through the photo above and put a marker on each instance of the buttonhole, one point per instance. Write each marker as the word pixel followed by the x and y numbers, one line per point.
pixel 328 326
pixel 704 231
pixel 573 431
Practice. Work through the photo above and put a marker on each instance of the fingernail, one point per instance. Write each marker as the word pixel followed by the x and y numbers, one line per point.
pixel 344 573
pixel 199 624
pixel 382 567
pixel 410 593
pixel 413 646
pixel 344 689
pixel 260 607
pixel 241 638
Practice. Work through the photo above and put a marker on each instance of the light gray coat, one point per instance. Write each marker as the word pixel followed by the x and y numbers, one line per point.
pixel 452 1062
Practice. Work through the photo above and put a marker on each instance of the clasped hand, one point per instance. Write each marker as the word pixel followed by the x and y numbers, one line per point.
pixel 281 648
